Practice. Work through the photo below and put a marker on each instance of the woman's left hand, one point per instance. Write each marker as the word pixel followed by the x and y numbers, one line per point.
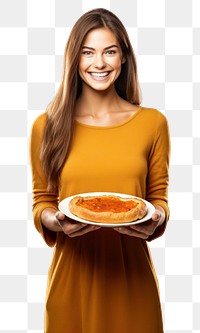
pixel 146 229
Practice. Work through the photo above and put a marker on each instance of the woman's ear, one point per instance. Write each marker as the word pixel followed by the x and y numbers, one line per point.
pixel 123 60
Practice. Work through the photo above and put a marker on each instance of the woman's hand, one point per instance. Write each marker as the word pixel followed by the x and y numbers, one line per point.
pixel 72 228
pixel 146 229
pixel 57 221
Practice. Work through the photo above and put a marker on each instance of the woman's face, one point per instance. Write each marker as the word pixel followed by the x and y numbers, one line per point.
pixel 100 59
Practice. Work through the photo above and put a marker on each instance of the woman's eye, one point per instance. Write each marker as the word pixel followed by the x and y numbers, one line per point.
pixel 87 52
pixel 110 52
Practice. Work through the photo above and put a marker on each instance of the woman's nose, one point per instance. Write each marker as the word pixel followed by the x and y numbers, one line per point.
pixel 99 62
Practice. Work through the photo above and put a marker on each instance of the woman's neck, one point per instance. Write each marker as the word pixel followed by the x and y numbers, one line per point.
pixel 97 103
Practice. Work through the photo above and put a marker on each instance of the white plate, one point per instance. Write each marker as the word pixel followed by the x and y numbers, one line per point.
pixel 64 208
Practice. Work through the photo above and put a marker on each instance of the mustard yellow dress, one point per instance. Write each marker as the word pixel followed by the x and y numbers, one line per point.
pixel 104 281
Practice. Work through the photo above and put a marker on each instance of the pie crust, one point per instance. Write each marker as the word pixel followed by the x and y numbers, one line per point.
pixel 108 208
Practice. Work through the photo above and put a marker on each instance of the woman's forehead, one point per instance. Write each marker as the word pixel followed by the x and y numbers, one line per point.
pixel 101 36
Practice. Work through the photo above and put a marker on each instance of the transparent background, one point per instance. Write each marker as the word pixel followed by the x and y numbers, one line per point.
pixel 166 38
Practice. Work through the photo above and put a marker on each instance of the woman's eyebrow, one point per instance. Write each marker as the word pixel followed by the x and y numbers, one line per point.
pixel 106 48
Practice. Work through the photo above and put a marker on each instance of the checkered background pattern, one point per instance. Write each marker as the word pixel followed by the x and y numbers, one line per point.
pixel 166 38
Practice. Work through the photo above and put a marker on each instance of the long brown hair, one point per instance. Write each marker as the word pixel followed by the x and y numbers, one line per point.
pixel 60 112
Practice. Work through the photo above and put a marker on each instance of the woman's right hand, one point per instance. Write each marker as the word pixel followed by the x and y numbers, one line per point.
pixel 72 228
pixel 57 221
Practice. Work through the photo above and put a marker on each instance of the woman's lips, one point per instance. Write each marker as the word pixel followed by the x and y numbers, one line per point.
pixel 99 76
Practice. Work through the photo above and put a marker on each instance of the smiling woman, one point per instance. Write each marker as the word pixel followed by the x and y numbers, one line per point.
pixel 95 137
pixel 100 60
pixel 100 66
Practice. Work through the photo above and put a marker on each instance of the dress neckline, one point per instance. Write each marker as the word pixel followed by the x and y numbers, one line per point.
pixel 111 126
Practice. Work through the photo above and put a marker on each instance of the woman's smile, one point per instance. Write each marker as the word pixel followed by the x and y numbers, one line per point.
pixel 99 76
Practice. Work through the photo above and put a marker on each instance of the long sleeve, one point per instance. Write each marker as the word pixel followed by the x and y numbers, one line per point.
pixel 158 170
pixel 41 198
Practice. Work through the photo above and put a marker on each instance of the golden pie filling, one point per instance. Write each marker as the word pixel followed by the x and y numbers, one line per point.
pixel 114 205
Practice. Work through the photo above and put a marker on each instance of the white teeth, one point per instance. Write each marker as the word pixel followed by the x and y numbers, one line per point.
pixel 100 74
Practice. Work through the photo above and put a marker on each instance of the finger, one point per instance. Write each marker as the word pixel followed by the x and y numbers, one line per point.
pixel 137 227
pixel 156 217
pixel 131 232
pixel 146 228
pixel 70 228
pixel 83 231
pixel 60 216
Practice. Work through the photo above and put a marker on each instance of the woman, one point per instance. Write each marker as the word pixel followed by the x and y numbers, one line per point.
pixel 95 137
